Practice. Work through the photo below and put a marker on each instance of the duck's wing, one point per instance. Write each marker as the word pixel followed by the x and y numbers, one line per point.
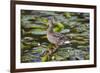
pixel 59 36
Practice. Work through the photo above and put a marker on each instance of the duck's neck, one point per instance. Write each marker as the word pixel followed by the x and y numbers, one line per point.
pixel 50 29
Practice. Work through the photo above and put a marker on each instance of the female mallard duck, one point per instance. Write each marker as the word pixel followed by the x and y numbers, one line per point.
pixel 55 38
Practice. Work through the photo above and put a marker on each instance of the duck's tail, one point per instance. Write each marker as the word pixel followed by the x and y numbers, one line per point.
pixel 67 42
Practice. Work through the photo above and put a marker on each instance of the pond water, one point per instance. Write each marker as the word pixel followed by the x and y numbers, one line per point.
pixel 34 43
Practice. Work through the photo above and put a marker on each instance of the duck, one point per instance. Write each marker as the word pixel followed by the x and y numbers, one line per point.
pixel 55 38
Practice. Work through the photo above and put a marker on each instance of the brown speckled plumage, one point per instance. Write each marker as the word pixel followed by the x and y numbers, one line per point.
pixel 53 37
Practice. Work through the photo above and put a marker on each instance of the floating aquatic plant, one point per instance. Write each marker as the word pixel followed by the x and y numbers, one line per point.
pixel 34 43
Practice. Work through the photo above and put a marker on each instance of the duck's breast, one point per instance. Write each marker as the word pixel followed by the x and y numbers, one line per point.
pixel 52 38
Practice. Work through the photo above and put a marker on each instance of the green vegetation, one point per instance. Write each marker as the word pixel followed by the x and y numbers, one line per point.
pixel 34 43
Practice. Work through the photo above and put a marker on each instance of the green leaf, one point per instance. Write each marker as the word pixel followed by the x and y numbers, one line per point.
pixel 44 58
pixel 59 58
pixel 59 27
pixel 36 32
pixel 67 15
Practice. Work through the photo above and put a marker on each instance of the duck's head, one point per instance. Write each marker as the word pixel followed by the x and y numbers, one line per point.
pixel 51 22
